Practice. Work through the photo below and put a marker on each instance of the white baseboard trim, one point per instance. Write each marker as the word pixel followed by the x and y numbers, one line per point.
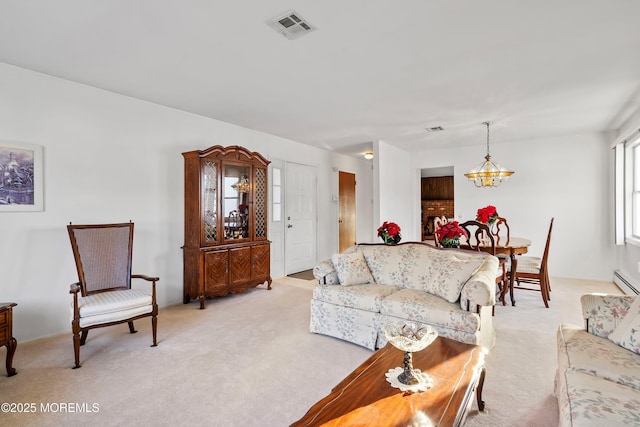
pixel 627 285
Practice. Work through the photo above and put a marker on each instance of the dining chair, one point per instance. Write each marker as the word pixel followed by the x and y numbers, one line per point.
pixel 480 238
pixel 501 234
pixel 500 230
pixel 534 271
pixel 438 222
pixel 103 295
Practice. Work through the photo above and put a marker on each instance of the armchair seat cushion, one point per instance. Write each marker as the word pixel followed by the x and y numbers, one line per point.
pixel 112 302
pixel 419 306
pixel 116 316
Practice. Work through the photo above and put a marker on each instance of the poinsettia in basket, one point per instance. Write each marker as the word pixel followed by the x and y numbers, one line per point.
pixel 449 234
pixel 390 233
pixel 487 215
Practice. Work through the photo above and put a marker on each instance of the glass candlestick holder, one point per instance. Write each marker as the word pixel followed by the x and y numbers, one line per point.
pixel 409 337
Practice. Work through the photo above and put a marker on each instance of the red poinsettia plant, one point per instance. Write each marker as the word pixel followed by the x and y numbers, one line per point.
pixel 487 215
pixel 390 233
pixel 449 234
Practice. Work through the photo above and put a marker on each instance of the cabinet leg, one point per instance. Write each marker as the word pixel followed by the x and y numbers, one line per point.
pixel 201 302
pixel 269 284
pixel 11 349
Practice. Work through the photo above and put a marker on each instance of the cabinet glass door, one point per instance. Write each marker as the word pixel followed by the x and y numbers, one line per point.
pixel 237 187
pixel 210 201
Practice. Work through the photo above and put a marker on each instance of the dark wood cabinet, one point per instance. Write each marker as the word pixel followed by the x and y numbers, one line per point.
pixel 226 249
pixel 6 335
pixel 437 188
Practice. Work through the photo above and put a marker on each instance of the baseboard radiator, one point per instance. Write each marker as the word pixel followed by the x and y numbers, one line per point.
pixel 627 286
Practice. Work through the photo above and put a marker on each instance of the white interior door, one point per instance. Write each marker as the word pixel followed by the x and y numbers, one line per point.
pixel 300 218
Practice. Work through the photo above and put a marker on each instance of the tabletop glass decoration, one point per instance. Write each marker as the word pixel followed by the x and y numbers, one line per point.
pixel 409 337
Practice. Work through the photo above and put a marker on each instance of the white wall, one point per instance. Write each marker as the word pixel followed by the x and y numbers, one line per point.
pixel 628 255
pixel 395 190
pixel 568 178
pixel 111 158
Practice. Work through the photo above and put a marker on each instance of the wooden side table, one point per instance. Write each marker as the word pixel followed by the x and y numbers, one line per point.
pixel 6 334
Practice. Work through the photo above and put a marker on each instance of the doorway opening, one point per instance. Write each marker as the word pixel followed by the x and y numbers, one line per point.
pixel 436 198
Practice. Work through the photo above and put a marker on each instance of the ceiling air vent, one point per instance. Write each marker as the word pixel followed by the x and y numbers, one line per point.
pixel 291 25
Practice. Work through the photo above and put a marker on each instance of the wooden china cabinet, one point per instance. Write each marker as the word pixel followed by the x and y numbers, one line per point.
pixel 226 249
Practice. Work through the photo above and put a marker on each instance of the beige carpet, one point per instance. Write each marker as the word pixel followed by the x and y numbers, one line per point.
pixel 249 360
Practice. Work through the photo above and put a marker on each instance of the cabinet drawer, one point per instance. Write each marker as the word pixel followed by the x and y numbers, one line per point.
pixel 4 334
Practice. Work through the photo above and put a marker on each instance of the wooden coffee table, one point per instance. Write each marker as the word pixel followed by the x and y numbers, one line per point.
pixel 366 398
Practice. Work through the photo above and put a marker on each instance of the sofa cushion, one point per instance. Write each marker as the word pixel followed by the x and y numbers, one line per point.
pixel 385 262
pixel 586 400
pixel 580 351
pixel 441 272
pixel 352 269
pixel 365 297
pixel 426 308
pixel 627 333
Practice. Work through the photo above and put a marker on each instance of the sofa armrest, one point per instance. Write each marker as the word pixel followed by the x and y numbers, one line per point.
pixel 603 312
pixel 480 289
pixel 325 273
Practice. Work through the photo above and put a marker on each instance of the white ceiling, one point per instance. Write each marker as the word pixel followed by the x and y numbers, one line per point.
pixel 373 70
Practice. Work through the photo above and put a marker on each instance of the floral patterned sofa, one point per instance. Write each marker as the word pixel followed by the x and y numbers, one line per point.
pixel 598 378
pixel 369 285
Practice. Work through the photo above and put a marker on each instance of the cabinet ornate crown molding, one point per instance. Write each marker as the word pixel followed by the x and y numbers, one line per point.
pixel 226 247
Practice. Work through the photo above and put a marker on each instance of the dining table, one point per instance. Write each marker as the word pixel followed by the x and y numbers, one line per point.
pixel 512 247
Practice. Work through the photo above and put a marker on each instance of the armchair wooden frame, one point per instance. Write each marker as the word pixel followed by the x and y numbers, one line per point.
pixel 102 253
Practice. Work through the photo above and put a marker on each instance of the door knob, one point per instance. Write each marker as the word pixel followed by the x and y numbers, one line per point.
pixel 289 226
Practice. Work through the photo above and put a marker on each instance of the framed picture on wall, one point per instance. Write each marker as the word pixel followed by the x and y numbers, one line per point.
pixel 21 179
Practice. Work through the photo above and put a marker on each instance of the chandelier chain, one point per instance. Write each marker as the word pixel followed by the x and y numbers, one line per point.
pixel 487 123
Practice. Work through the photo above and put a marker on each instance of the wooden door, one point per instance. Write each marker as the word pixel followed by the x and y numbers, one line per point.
pixel 347 215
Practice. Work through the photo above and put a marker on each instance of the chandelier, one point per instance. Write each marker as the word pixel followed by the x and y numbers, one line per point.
pixel 488 173
pixel 242 186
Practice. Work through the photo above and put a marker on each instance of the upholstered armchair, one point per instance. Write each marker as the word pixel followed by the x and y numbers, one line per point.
pixel 103 295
